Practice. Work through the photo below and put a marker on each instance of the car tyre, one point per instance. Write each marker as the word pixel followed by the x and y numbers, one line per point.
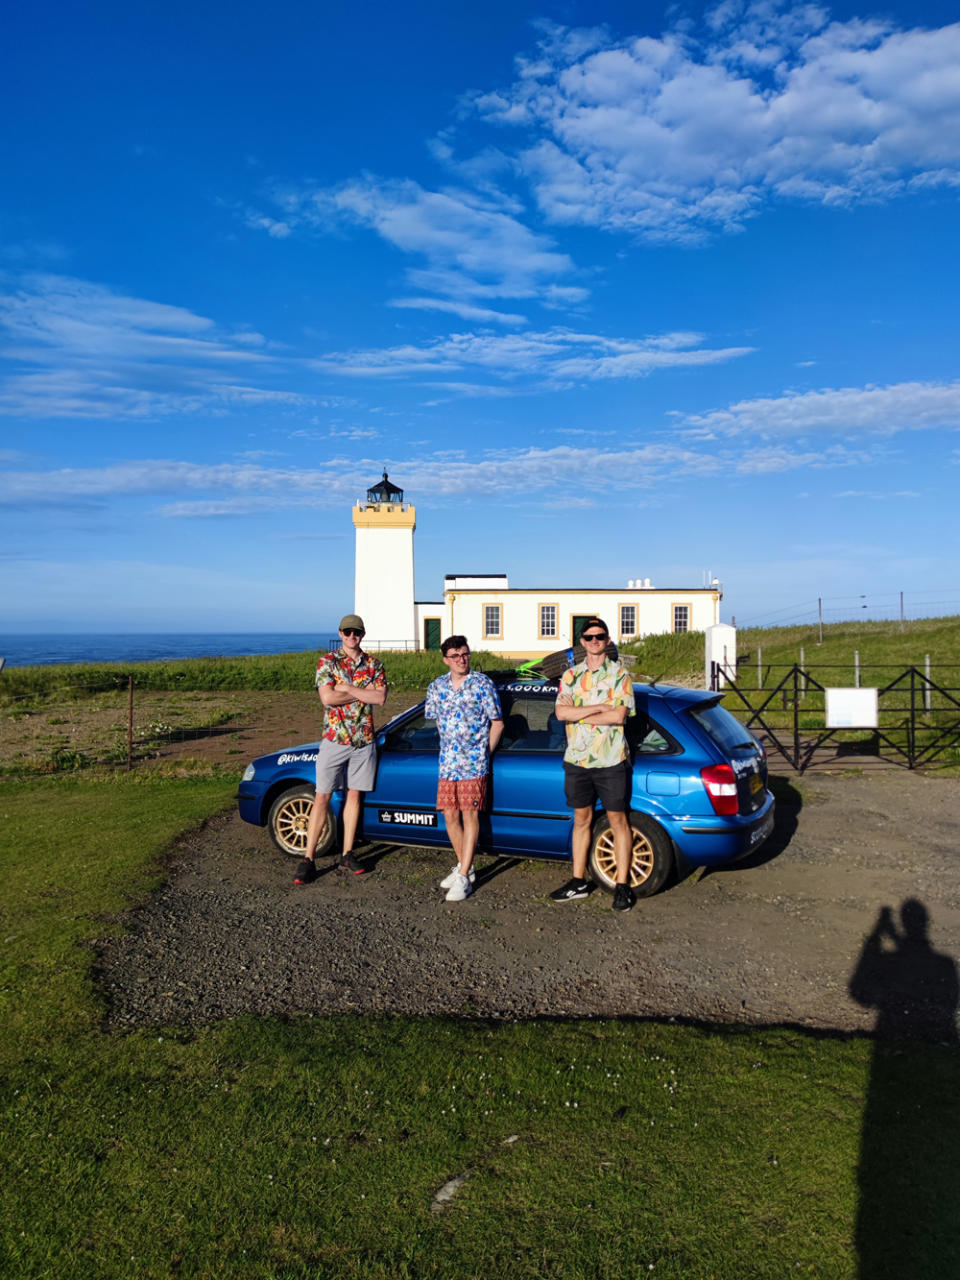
pixel 287 823
pixel 652 855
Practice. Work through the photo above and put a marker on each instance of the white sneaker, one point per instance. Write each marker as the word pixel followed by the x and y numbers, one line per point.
pixel 460 889
pixel 447 881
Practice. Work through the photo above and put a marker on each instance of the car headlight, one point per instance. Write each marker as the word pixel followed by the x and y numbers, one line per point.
pixel 248 773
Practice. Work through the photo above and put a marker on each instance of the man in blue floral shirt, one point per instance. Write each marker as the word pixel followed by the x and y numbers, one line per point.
pixel 465 705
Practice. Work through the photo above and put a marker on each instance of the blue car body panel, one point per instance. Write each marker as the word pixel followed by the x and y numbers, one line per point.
pixel 675 734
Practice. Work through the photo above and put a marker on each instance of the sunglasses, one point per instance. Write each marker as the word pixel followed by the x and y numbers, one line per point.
pixel 595 635
pixel 352 631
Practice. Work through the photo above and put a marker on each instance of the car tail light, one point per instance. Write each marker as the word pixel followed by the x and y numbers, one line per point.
pixel 721 784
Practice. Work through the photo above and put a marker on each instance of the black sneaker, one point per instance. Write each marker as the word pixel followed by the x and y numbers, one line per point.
pixel 350 866
pixel 572 891
pixel 306 872
pixel 623 897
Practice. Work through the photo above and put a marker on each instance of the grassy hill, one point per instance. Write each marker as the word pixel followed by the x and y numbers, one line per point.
pixel 884 647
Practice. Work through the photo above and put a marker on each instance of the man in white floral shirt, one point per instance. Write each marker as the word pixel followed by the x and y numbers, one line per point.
pixel 595 698
pixel 465 705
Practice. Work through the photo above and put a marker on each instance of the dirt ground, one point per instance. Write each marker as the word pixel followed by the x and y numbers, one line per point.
pixel 774 939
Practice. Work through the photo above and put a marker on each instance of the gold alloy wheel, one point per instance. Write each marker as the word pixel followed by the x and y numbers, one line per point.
pixel 291 823
pixel 288 821
pixel 605 862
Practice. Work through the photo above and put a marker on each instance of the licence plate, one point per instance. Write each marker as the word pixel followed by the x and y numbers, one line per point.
pixel 761 831
pixel 407 817
pixel 756 783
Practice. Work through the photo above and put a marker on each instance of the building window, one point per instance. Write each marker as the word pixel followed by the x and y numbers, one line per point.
pixel 491 622
pixel 628 620
pixel 681 617
pixel 548 622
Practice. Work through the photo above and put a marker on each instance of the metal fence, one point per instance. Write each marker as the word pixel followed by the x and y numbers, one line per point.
pixel 918 719
pixel 79 724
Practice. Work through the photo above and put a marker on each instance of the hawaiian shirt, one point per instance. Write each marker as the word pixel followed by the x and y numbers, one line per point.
pixel 597 746
pixel 463 717
pixel 352 725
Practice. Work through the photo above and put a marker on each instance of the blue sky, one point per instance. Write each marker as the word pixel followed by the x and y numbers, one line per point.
pixel 611 291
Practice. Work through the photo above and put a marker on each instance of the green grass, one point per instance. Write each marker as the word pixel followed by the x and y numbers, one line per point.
pixel 314 1146
pixel 284 671
pixel 882 646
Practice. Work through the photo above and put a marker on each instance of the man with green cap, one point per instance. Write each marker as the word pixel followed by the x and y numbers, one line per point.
pixel 350 683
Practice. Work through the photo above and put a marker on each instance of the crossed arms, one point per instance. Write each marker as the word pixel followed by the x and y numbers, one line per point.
pixel 567 713
pixel 342 694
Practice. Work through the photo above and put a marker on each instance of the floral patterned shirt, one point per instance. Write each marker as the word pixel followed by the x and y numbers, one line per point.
pixel 597 746
pixel 463 717
pixel 352 725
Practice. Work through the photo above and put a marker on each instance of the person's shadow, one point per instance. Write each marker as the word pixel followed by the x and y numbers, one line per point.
pixel 908 1220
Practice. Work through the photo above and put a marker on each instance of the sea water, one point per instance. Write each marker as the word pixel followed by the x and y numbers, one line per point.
pixel 43 649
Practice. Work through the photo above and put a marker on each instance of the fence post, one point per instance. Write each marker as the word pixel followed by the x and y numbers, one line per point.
pixel 856 668
pixel 796 717
pixel 911 731
pixel 926 687
pixel 803 676
pixel 759 667
pixel 130 728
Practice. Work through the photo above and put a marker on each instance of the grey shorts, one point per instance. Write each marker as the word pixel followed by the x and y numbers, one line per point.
pixel 335 760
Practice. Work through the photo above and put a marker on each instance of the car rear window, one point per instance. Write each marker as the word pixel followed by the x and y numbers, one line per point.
pixel 722 728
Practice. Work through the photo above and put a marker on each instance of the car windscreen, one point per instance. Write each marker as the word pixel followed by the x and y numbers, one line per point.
pixel 722 728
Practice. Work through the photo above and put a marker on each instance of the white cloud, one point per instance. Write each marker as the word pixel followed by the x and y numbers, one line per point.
pixel 556 355
pixel 848 411
pixel 672 137
pixel 753 438
pixel 80 350
pixel 877 495
pixel 472 244
pixel 483 315
pixel 229 489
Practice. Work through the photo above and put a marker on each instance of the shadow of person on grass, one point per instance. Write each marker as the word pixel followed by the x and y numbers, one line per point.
pixel 908 1220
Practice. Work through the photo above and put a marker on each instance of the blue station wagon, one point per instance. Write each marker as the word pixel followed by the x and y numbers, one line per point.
pixel 699 786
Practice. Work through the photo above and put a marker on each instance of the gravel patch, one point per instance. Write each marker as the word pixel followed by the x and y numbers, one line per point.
pixel 771 940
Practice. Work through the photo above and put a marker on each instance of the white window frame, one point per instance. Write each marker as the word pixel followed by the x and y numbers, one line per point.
pixel 674 610
pixel 492 635
pixel 542 632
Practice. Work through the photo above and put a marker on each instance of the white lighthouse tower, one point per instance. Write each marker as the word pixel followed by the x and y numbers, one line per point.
pixel 383 587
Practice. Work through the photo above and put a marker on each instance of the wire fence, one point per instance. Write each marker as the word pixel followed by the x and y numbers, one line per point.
pixel 84 724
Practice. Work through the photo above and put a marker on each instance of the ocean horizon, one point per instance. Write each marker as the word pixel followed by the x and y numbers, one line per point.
pixel 48 648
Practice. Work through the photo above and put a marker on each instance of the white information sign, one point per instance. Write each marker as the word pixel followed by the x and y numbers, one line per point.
pixel 852 709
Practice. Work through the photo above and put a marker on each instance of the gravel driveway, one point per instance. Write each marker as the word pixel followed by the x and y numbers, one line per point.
pixel 771 940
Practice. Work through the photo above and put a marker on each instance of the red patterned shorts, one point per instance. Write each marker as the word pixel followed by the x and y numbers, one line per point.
pixel 462 793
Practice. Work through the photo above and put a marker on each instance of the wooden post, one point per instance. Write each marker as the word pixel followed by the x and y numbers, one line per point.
pixel 130 729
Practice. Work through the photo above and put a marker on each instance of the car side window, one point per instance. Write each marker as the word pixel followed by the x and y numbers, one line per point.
pixel 530 724
pixel 416 734
pixel 646 738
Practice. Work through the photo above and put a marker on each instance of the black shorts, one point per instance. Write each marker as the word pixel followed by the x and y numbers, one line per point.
pixel 611 786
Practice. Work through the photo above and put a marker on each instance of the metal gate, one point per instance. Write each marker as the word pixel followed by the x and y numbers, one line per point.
pixel 912 730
